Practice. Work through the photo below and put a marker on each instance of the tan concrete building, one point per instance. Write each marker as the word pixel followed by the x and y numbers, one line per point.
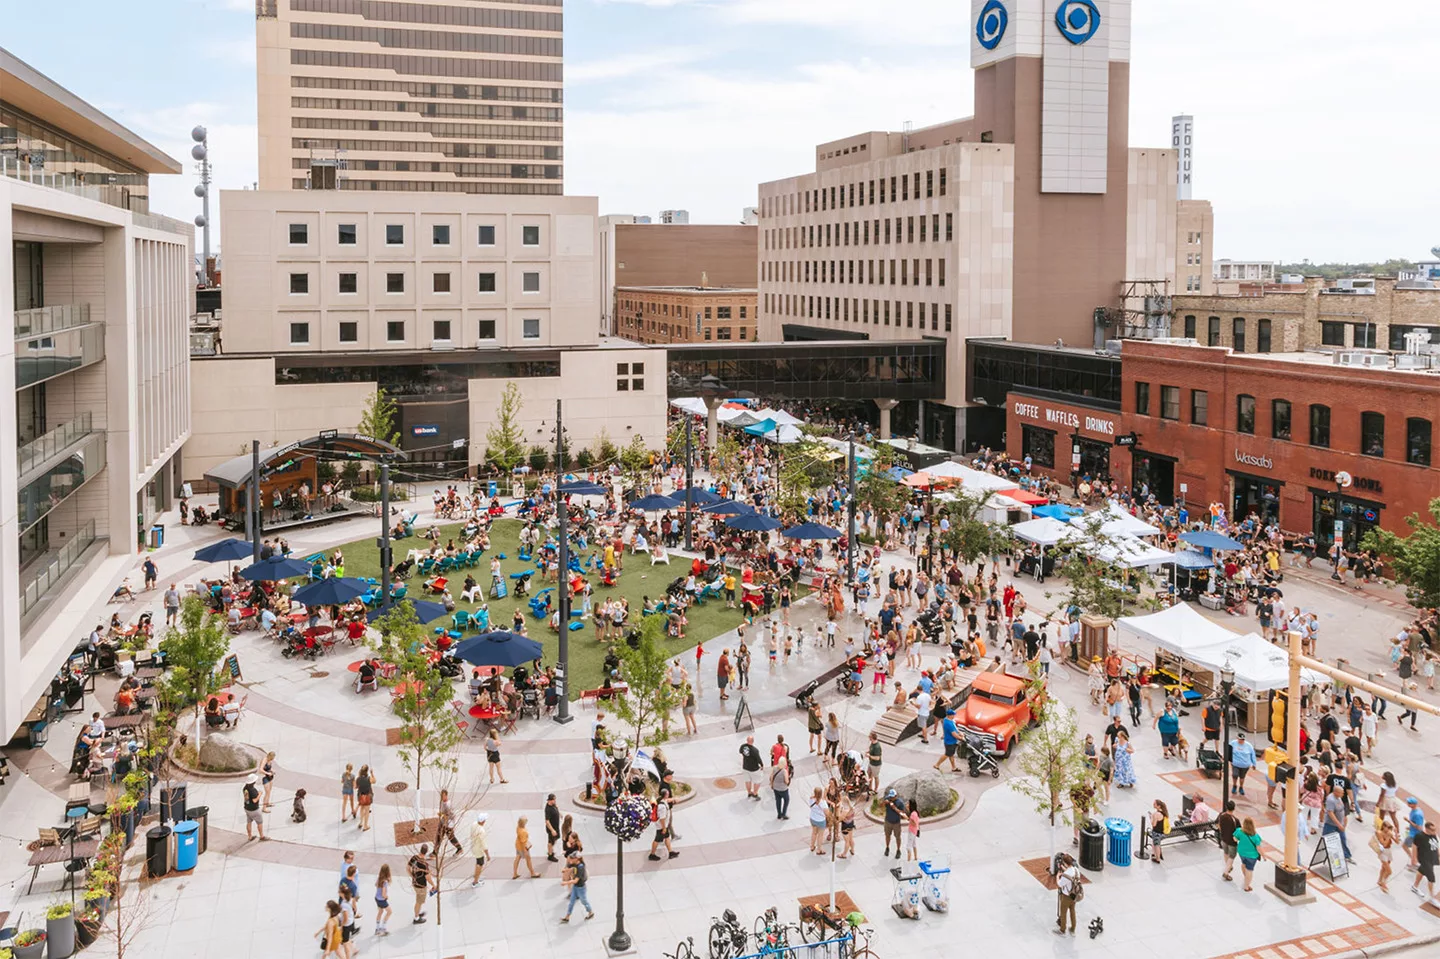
pixel 1194 247
pixel 1250 271
pixel 1374 314
pixel 684 314
pixel 659 254
pixel 447 97
pixel 96 293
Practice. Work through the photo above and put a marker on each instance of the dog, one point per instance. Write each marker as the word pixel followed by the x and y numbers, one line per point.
pixel 1097 926
pixel 297 811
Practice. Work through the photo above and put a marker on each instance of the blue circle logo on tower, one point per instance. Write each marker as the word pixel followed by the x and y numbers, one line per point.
pixel 990 27
pixel 1077 20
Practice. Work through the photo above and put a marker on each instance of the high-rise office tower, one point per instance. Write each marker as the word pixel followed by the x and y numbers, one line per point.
pixel 442 96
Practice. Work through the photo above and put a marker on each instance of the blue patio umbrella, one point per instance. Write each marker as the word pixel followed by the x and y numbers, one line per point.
pixel 498 649
pixel 897 473
pixel 1058 511
pixel 1189 559
pixel 225 551
pixel 275 568
pixel 698 496
pixel 425 611
pixel 583 488
pixel 1206 539
pixel 335 591
pixel 811 531
pixel 753 523
pixel 728 507
pixel 652 502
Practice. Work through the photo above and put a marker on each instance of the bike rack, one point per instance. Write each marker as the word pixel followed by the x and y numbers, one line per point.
pixel 838 948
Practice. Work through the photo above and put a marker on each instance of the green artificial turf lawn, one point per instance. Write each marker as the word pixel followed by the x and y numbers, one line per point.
pixel 637 580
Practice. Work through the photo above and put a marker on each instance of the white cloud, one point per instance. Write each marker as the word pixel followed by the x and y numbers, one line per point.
pixel 912 22
pixel 629 65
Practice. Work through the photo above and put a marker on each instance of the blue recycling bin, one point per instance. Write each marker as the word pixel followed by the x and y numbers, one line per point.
pixel 492 489
pixel 1119 830
pixel 187 845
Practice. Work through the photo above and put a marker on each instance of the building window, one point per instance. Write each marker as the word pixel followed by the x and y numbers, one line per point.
pixel 1212 332
pixel 299 234
pixel 1245 414
pixel 1039 445
pixel 1398 331
pixel 442 330
pixel 1364 336
pixel 395 331
pixel 487 236
pixel 1142 399
pixel 487 330
pixel 440 283
pixel 346 234
pixel 1280 419
pixel 394 282
pixel 1417 441
pixel 530 282
pixel 1190 327
pixel 1199 407
pixel 1262 336
pixel 299 334
pixel 394 234
pixel 1372 434
pixel 299 283
pixel 742 312
pixel 487 282
pixel 530 236
pixel 530 329
pixel 622 386
pixel 722 312
pixel 722 332
pixel 348 284
pixel 1320 426
pixel 440 235
pixel 349 331
pixel 947 317
pixel 1170 402
pixel 1333 334
pixel 1237 334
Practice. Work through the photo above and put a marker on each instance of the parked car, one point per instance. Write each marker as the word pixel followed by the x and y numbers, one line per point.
pixel 998 704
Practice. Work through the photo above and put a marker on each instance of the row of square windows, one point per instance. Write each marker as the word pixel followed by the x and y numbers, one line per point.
pixel 347 235
pixel 817 271
pixel 851 310
pixel 837 197
pixel 440 331
pixel 859 232
pixel 663 309
pixel 1332 333
pixel 642 325
pixel 395 283
pixel 1372 424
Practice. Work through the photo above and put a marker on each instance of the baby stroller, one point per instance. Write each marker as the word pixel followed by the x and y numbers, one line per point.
pixel 299 644
pixel 852 775
pixel 1209 759
pixel 522 584
pixel 980 754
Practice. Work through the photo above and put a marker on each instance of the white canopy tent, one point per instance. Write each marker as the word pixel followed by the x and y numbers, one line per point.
pixel 1128 552
pixel 693 405
pixel 1044 531
pixel 973 481
pixel 1117 522
pixel 995 510
pixel 1178 629
pixel 1258 665
pixel 784 418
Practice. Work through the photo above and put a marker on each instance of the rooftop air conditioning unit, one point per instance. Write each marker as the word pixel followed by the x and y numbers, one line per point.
pixel 1413 361
pixel 1380 360
pixel 1112 346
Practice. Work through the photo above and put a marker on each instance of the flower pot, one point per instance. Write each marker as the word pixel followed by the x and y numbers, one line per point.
pixel 60 934
pixel 87 930
pixel 33 951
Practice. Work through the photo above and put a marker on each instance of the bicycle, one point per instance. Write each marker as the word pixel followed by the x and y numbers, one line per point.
pixel 860 942
pixel 771 935
pixel 684 949
pixel 727 936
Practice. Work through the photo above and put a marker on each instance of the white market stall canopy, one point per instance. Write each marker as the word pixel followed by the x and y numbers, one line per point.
pixel 1178 629
pixel 971 480
pixel 1044 531
pixel 1258 664
pixel 1129 552
pixel 1117 522
pixel 693 405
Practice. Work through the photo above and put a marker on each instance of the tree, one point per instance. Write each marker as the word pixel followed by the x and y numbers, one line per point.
pixel 194 651
pixel 635 463
pixel 1098 585
pixel 647 705
pixel 445 777
pixel 1415 558
pixel 801 472
pixel 874 487
pixel 129 919
pixel 1053 766
pixel 428 732
pixel 377 420
pixel 505 441
pixel 602 450
pixel 969 536
pixel 727 451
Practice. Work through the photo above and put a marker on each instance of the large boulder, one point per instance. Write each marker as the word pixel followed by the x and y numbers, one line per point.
pixel 220 753
pixel 930 790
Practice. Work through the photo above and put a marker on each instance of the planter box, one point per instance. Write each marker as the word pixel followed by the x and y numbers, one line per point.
pixel 33 951
pixel 60 935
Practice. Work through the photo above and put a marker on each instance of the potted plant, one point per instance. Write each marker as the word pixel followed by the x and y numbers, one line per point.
pixel 60 929
pixel 87 927
pixel 29 944
pixel 97 897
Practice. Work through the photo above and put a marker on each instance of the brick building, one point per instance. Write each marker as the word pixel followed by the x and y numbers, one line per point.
pixel 1370 313
pixel 1268 434
pixel 684 314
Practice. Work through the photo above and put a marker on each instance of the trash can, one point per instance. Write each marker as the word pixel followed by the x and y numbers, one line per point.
pixel 491 489
pixel 172 803
pixel 200 815
pixel 157 851
pixel 157 536
pixel 1092 846
pixel 1119 830
pixel 187 845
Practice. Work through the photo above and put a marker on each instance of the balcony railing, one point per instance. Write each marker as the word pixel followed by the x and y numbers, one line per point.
pixel 58 483
pixel 37 581
pixel 124 197
pixel 50 319
pixel 44 357
pixel 42 448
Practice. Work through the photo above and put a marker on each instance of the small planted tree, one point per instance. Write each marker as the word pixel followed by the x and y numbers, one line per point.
pixel 194 650
pixel 428 732
pixel 1052 765
pixel 1096 584
pixel 635 462
pixel 130 916
pixel 603 451
pixel 377 419
pixel 647 706
pixel 1414 558
pixel 969 536
pixel 505 441
pixel 875 488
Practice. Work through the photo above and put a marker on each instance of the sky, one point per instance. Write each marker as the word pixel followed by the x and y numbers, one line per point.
pixel 1316 132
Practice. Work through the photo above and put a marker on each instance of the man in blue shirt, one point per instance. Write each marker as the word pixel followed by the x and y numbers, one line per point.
pixel 1414 823
pixel 950 732
pixel 1242 758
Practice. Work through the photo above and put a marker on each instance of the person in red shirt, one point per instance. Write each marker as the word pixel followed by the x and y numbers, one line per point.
pixel 778 751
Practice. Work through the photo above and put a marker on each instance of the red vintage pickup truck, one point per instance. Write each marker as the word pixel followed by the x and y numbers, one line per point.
pixel 997 704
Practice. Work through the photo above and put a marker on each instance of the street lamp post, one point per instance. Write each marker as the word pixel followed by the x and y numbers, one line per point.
pixel 562 586
pixel 1227 683
pixel 689 480
pixel 850 513
pixel 1337 525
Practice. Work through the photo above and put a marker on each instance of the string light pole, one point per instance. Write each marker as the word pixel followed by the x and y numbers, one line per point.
pixel 562 587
